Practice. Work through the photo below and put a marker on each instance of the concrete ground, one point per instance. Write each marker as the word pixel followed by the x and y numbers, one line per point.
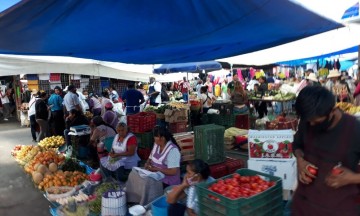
pixel 18 195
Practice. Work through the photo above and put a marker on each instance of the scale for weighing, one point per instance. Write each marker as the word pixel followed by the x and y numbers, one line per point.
pixel 80 130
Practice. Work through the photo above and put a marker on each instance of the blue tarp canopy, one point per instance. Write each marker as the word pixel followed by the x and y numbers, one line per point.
pixel 353 11
pixel 188 67
pixel 154 32
pixel 320 57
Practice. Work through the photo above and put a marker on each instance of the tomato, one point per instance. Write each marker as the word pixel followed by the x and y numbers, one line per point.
pixel 336 171
pixel 236 176
pixel 254 186
pixel 312 169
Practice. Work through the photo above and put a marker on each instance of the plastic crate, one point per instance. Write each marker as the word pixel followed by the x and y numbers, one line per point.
pixel 186 144
pixel 145 140
pixel 224 108
pixel 178 127
pixel 218 170
pixel 234 164
pixel 141 122
pixel 32 77
pixel 268 202
pixel 242 121
pixel 209 143
pixel 224 120
pixel 144 153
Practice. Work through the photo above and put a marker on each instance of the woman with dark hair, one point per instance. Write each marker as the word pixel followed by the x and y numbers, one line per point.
pixel 196 171
pixel 94 104
pixel 104 100
pixel 165 161
pixel 41 115
pixel 100 130
pixel 206 99
pixel 75 118
pixel 123 154
pixel 239 99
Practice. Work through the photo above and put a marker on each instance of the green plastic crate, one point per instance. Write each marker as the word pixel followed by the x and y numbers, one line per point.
pixel 145 140
pixel 227 120
pixel 209 143
pixel 269 202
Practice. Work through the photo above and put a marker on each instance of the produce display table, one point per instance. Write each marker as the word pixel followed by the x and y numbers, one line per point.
pixel 282 102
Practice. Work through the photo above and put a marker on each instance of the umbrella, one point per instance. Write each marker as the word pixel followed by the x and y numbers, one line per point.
pixel 187 67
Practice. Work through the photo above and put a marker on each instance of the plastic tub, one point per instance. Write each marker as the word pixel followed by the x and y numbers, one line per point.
pixel 159 207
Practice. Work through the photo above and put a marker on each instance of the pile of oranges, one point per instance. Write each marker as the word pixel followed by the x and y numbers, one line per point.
pixel 45 158
pixel 61 178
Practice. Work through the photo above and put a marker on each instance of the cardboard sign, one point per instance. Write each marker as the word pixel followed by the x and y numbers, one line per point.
pixel 275 144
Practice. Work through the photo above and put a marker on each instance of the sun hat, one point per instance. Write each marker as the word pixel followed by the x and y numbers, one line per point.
pixel 312 77
pixel 334 73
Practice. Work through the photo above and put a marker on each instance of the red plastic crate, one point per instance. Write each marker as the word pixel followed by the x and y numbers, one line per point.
pixel 218 170
pixel 141 122
pixel 177 127
pixel 242 121
pixel 143 153
pixel 55 77
pixel 234 164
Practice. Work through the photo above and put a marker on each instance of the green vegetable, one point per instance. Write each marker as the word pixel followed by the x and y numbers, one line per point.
pixel 95 205
pixel 72 165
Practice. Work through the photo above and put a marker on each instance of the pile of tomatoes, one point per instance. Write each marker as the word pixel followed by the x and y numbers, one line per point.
pixel 239 186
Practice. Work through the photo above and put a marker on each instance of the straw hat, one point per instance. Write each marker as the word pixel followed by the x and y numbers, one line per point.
pixel 312 77
pixel 334 73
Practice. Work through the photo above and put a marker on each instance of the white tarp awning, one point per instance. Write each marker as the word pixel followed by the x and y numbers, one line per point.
pixel 18 64
pixel 324 43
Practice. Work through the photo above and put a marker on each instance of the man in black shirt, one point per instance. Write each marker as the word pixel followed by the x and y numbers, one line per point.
pixel 326 138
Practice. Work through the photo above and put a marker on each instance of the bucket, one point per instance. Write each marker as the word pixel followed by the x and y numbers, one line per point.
pixel 159 207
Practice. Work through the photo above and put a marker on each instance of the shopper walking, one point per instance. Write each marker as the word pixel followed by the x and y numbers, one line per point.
pixel 57 121
pixel 5 103
pixel 154 92
pixel 41 115
pixel 184 89
pixel 31 113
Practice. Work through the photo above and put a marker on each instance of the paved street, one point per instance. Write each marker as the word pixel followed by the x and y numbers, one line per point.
pixel 18 196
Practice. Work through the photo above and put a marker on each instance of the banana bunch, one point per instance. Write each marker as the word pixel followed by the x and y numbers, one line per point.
pixel 178 105
pixel 52 142
pixel 348 108
pixel 344 106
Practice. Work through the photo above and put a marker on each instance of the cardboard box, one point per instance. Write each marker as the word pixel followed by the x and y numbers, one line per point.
pixel 274 144
pixel 172 116
pixel 285 169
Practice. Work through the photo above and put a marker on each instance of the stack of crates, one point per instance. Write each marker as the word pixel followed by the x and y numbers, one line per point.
pixel 33 81
pixel 268 202
pixel 145 142
pixel 227 167
pixel 186 144
pixel 209 143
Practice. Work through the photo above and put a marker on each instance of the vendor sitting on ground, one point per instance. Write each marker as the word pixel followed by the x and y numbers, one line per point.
pixel 123 155
pixel 206 99
pixel 164 158
pixel 183 197
pixel 239 99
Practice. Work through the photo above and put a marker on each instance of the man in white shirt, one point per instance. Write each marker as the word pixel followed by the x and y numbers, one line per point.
pixel 154 92
pixel 31 113
pixel 5 103
pixel 71 99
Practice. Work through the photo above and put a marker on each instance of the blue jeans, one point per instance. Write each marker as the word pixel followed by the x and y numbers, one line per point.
pixel 185 96
pixel 242 110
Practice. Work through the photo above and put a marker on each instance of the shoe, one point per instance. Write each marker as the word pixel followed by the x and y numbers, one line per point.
pixel 5 119
pixel 33 140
